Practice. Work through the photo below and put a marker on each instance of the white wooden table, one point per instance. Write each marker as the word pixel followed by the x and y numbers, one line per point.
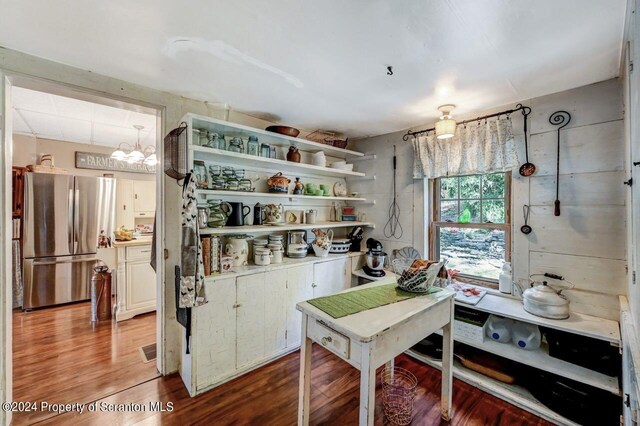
pixel 371 338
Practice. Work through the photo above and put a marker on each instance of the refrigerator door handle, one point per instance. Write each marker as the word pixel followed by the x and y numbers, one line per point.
pixel 54 261
pixel 70 222
pixel 76 221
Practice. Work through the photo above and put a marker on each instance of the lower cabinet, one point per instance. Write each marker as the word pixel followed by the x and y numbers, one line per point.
pixel 141 285
pixel 253 318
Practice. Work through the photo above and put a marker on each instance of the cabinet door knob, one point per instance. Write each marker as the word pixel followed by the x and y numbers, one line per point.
pixel 326 340
pixel 314 285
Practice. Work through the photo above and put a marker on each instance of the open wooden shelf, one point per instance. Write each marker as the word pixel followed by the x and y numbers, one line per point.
pixel 236 158
pixel 239 130
pixel 226 230
pixel 582 324
pixel 540 358
pixel 516 395
pixel 291 197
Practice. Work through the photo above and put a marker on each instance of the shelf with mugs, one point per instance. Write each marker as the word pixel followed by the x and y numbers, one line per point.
pixel 254 229
pixel 231 130
pixel 236 158
pixel 204 193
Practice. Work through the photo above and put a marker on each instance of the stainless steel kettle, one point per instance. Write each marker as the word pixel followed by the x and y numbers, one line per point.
pixel 542 300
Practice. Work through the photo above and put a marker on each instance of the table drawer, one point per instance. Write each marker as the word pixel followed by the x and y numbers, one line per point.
pixel 139 252
pixel 329 338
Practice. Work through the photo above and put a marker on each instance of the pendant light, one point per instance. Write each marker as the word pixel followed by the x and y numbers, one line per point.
pixel 136 156
pixel 446 126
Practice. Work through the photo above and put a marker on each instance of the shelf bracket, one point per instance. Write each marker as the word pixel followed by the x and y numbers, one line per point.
pixel 363 178
pixel 364 158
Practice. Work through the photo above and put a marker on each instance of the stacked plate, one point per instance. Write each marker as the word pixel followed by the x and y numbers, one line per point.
pixel 319 159
pixel 341 165
pixel 340 245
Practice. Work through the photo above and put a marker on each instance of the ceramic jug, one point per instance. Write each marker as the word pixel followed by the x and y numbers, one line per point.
pixel 259 214
pixel 238 249
pixel 293 155
pixel 275 213
pixel 219 212
pixel 238 214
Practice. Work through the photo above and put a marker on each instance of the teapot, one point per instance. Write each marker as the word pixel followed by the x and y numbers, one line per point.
pixel 218 214
pixel 278 183
pixel 275 213
pixel 545 301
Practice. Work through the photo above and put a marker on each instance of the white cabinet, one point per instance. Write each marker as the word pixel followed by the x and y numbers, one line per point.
pixel 136 280
pixel 331 277
pixel 215 347
pixel 141 285
pixel 144 198
pixel 125 215
pixel 299 288
pixel 250 318
pixel 275 311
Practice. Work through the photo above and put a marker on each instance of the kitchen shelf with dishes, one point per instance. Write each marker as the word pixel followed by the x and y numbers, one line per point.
pixel 227 193
pixel 238 167
pixel 230 230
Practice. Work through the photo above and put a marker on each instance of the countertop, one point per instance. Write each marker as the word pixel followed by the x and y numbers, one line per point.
pixel 139 241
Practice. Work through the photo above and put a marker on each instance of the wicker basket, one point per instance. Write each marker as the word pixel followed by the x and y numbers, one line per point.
pixel 398 392
pixel 418 276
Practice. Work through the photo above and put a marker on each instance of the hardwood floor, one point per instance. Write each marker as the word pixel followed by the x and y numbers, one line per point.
pixel 60 357
pixel 269 396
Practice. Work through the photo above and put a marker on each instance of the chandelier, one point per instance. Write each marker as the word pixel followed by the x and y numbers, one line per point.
pixel 136 154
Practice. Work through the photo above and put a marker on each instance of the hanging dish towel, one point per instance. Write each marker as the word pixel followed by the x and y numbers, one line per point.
pixel 192 279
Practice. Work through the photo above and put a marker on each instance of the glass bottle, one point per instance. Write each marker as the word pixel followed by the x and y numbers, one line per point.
pixel 222 143
pixel 253 147
pixel 204 138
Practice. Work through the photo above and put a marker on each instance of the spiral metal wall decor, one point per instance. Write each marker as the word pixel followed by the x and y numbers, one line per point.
pixel 561 119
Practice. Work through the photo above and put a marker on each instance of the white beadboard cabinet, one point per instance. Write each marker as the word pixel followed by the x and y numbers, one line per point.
pixel 251 319
pixel 136 279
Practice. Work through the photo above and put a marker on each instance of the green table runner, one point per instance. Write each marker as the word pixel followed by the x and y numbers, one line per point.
pixel 343 304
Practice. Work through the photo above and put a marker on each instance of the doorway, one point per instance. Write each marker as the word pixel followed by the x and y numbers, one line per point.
pixel 61 354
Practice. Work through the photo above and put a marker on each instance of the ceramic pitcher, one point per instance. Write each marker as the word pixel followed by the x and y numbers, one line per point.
pixel 275 213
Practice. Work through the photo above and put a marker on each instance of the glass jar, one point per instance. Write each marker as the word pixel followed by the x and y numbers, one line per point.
pixel 214 140
pixel 265 150
pixel 253 146
pixel 204 138
pixel 195 136
pixel 222 143
pixel 236 145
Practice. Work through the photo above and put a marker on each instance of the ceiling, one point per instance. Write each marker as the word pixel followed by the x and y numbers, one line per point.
pixel 60 118
pixel 323 64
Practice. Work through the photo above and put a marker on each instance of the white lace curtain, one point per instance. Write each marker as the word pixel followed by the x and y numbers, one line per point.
pixel 488 147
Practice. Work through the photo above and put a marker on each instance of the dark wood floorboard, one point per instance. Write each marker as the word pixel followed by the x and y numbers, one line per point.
pixel 59 356
pixel 269 396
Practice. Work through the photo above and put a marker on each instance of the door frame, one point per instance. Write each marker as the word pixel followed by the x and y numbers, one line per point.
pixel 7 81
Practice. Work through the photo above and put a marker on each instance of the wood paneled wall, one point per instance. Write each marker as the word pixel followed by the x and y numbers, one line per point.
pixel 586 244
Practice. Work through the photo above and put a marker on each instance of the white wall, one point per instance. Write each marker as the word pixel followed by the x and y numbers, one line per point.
pixel 28 149
pixel 586 243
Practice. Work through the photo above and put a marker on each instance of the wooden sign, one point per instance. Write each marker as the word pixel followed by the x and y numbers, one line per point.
pixel 95 161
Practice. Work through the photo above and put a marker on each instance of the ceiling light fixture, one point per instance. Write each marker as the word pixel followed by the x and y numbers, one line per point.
pixel 446 126
pixel 136 154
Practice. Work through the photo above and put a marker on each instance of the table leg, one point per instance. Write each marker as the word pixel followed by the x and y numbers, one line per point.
pixel 304 389
pixel 447 364
pixel 367 387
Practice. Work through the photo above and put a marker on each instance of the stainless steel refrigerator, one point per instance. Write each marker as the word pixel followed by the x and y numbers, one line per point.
pixel 62 218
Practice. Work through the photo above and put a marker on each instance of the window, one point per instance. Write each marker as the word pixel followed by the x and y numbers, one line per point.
pixel 471 225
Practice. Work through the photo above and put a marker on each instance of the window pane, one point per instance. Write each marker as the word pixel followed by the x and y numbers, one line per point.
pixel 476 252
pixel 474 210
pixel 449 188
pixel 449 211
pixel 493 211
pixel 493 186
pixel 470 187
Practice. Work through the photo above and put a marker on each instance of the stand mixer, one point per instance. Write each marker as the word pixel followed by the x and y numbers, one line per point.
pixel 375 259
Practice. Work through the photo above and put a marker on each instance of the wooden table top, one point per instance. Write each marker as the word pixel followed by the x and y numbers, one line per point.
pixel 367 325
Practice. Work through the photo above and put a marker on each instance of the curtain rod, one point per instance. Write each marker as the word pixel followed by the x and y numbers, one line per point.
pixel 525 112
